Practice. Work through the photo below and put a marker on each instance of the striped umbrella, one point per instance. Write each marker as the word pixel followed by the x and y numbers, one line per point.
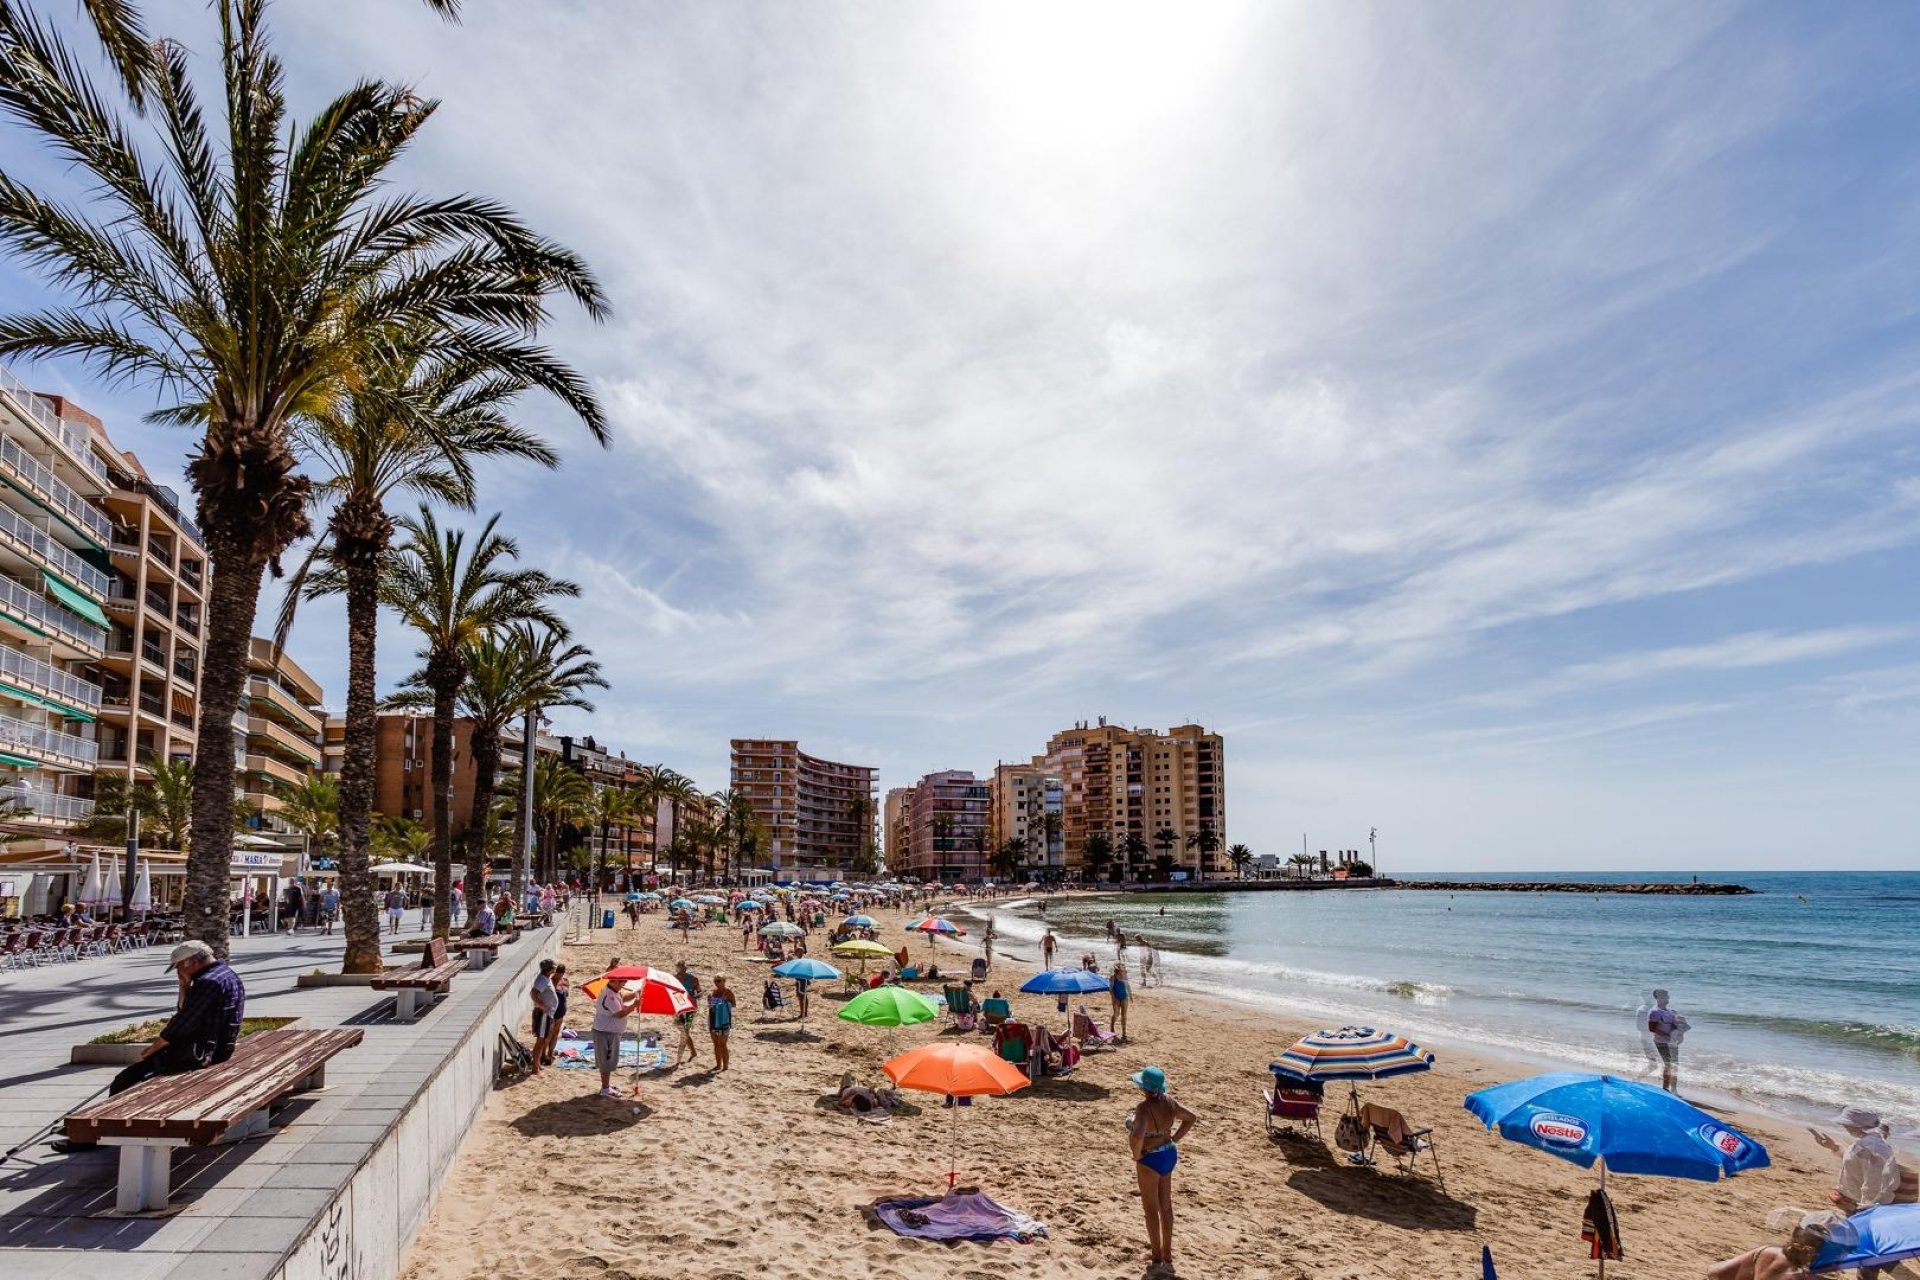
pixel 659 991
pixel 933 926
pixel 1352 1053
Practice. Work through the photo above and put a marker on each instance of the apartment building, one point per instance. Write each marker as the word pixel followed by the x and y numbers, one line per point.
pixel 1029 805
pixel 818 814
pixel 54 583
pixel 893 828
pixel 627 845
pixel 1120 781
pixel 949 827
pixel 282 735
pixel 403 756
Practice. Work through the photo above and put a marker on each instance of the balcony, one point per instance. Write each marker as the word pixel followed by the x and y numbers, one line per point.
pixel 185 672
pixel 180 717
pixel 158 601
pixel 271 769
pixel 47 744
pixel 18 669
pixel 283 738
pixel 44 805
pixel 188 620
pixel 34 475
pixel 36 612
pixel 45 420
pixel 282 701
pixel 35 544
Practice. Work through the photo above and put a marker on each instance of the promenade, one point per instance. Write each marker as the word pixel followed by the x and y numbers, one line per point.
pixel 253 1209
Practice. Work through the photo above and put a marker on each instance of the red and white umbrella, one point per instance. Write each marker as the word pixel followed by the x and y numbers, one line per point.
pixel 659 991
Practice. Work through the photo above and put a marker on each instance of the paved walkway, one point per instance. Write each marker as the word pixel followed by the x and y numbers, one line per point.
pixel 245 1203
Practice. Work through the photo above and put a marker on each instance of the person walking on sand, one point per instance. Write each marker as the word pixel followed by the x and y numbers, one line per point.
pixel 1046 950
pixel 1154 1132
pixel 1122 993
pixel 720 1021
pixel 610 1014
pixel 1668 1028
pixel 1869 1171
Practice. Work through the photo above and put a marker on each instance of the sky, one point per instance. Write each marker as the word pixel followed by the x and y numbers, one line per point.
pixel 1498 421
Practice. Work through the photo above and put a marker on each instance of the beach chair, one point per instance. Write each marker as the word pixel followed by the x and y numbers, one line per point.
pixel 1091 1034
pixel 1293 1107
pixel 1391 1133
pixel 994 1013
pixel 1010 1042
pixel 959 1007
pixel 979 970
pixel 773 996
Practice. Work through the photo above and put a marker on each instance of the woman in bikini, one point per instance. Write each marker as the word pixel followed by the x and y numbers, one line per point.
pixel 1157 1125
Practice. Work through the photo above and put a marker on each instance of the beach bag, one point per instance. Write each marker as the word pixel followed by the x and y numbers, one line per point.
pixel 1350 1134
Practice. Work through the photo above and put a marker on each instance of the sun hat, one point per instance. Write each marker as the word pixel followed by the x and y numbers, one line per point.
pixel 1151 1079
pixel 188 951
pixel 1859 1118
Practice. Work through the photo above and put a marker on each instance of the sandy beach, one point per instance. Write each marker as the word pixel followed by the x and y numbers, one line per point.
pixel 751 1174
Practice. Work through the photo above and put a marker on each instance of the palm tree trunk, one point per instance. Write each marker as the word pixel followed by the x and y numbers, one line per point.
pixel 443 699
pixel 600 872
pixel 361 913
pixel 486 773
pixel 233 596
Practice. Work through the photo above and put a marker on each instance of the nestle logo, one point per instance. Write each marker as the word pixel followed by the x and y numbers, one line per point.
pixel 1721 1140
pixel 1558 1131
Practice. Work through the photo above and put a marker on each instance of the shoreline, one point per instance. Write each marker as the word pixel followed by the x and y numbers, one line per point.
pixel 750 1174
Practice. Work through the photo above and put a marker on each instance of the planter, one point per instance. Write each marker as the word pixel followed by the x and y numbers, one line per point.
pixel 106 1055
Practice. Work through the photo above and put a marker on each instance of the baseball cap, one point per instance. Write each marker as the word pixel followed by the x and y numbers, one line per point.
pixel 188 951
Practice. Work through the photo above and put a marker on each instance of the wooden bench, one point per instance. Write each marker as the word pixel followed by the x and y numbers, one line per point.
pixel 415 985
pixel 200 1108
pixel 481 952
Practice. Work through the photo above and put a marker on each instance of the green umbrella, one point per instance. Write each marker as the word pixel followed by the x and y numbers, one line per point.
pixel 890 1007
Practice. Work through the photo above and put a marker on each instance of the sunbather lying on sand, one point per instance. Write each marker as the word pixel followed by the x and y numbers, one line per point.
pixel 1781 1262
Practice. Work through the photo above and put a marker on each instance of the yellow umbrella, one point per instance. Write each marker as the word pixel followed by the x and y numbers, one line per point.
pixel 862 947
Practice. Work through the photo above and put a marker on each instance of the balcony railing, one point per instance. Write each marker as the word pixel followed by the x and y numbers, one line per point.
pixel 61 560
pixel 50 422
pixel 18 667
pixel 284 702
pixel 44 804
pixel 283 738
pixel 185 671
pixel 48 742
pixel 182 718
pixel 158 602
pixel 275 769
pixel 55 491
pixel 32 607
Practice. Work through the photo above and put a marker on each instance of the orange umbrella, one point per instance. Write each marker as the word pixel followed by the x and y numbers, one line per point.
pixel 959 1071
pixel 659 991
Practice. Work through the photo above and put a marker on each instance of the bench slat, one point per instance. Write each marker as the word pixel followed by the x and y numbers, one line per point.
pixel 439 976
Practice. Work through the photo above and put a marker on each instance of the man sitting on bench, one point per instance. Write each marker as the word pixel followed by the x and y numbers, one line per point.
pixel 202 1031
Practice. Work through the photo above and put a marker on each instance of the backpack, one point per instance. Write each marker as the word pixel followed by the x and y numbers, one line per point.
pixel 1349 1134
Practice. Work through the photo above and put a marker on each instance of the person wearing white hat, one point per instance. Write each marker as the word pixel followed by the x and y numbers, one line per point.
pixel 1869 1171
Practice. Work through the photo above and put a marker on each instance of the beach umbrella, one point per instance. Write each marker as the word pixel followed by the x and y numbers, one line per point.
pixel 1353 1054
pixel 680 904
pixel 142 900
pixel 1878 1237
pixel 954 1069
pixel 862 949
pixel 708 900
pixel 660 991
pixel 933 926
pixel 807 967
pixel 861 922
pixel 750 906
pixel 1065 982
pixel 781 929
pixel 890 1007
pixel 1621 1125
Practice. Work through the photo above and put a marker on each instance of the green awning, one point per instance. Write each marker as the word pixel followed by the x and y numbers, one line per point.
pixel 17 762
pixel 58 708
pixel 82 605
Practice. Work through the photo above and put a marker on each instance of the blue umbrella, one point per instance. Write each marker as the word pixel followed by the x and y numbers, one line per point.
pixel 861 922
pixel 807 967
pixel 1634 1128
pixel 1625 1126
pixel 750 906
pixel 1486 1263
pixel 1063 982
pixel 1876 1237
pixel 680 904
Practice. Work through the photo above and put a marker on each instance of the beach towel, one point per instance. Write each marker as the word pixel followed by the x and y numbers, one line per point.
pixel 634 1056
pixel 1600 1228
pixel 958 1217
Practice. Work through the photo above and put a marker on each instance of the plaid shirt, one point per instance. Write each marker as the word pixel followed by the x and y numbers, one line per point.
pixel 208 1023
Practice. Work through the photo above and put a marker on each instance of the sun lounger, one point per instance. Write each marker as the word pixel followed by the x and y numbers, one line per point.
pixel 1392 1134
pixel 1091 1034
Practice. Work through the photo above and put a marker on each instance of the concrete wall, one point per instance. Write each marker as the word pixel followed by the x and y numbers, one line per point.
pixel 365 1232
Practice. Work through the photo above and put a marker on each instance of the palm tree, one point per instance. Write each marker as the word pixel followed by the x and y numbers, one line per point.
pixel 312 807
pixel 1164 840
pixel 248 268
pixel 116 797
pixel 171 810
pixel 1206 842
pixel 1133 847
pixel 612 807
pixel 677 790
pixel 1241 857
pixel 739 825
pixel 1098 851
pixel 399 838
pixel 561 795
pixel 414 422
pixel 1010 856
pixel 1301 863
pixel 860 817
pixel 452 597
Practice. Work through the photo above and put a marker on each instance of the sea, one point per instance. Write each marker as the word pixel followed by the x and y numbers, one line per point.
pixel 1803 996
